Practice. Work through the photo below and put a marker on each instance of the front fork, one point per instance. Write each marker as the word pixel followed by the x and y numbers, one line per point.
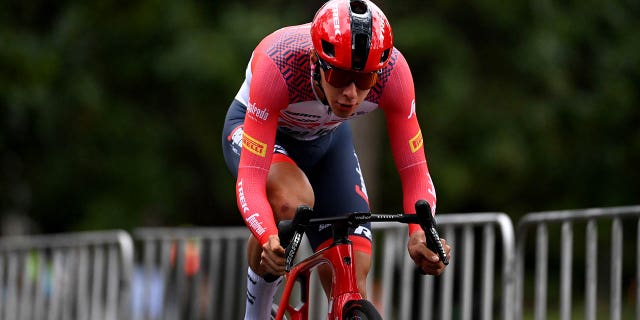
pixel 344 282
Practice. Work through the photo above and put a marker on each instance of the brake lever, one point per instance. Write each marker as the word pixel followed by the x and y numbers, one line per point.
pixel 292 241
pixel 291 250
pixel 428 224
pixel 290 233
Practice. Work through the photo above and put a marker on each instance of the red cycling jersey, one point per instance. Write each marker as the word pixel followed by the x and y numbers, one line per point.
pixel 279 97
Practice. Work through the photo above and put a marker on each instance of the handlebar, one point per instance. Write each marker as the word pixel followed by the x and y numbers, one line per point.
pixel 290 232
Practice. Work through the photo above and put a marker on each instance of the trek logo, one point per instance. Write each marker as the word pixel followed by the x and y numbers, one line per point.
pixel 236 139
pixel 241 198
pixel 416 142
pixel 361 189
pixel 259 113
pixel 255 146
pixel 431 189
pixel 336 20
pixel 236 135
pixel 432 192
pixel 363 231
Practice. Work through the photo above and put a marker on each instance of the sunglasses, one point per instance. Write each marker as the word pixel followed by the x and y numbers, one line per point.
pixel 340 78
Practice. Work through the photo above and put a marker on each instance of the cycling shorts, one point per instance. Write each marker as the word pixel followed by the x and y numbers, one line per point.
pixel 331 165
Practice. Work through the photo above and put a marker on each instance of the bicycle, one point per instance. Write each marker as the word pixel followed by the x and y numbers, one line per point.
pixel 346 302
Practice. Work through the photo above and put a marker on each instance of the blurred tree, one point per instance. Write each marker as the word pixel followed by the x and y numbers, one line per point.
pixel 111 112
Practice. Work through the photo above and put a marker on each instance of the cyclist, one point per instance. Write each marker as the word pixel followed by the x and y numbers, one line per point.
pixel 287 140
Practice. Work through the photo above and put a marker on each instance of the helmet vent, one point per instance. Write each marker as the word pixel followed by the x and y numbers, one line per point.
pixel 358 7
pixel 328 49
pixel 385 56
pixel 360 52
pixel 361 29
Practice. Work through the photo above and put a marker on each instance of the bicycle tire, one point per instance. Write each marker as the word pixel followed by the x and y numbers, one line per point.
pixel 360 310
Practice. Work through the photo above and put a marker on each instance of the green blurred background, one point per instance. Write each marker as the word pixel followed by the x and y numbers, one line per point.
pixel 111 111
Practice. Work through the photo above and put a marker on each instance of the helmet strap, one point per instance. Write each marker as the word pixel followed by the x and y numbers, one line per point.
pixel 316 85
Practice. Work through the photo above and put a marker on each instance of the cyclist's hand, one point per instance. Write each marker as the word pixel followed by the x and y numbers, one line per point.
pixel 427 260
pixel 272 258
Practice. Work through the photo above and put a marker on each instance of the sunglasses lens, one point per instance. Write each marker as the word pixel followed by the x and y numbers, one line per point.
pixel 367 80
pixel 337 78
pixel 341 78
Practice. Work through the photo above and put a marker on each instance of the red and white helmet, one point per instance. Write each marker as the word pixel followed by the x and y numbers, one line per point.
pixel 352 35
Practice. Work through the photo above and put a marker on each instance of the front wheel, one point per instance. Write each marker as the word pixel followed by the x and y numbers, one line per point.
pixel 360 310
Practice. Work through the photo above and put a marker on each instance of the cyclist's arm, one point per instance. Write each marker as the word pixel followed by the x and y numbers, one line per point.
pixel 405 136
pixel 268 94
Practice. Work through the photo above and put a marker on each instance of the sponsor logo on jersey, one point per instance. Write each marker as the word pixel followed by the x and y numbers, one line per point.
pixel 257 112
pixel 236 135
pixel 255 224
pixel 413 109
pixel 241 198
pixel 432 192
pixel 416 142
pixel 361 189
pixel 252 220
pixel 236 139
pixel 255 146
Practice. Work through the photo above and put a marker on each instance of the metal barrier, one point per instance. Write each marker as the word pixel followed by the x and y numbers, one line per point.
pixel 192 290
pixel 66 276
pixel 200 273
pixel 591 222
pixel 400 293
pixel 190 273
pixel 456 293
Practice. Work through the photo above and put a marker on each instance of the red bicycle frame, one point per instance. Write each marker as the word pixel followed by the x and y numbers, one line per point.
pixel 339 257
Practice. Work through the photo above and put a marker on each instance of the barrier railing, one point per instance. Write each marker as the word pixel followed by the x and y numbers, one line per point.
pixel 200 273
pixel 400 293
pixel 222 251
pixel 456 293
pixel 597 273
pixel 66 276
pixel 190 273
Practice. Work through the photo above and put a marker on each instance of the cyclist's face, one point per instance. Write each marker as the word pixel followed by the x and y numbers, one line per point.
pixel 344 100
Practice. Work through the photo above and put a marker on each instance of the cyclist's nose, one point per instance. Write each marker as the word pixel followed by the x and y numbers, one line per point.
pixel 350 91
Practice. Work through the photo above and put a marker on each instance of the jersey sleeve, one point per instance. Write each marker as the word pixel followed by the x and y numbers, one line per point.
pixel 405 136
pixel 267 96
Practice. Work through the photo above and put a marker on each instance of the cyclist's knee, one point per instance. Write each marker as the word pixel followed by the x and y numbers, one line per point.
pixel 288 188
pixel 285 203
